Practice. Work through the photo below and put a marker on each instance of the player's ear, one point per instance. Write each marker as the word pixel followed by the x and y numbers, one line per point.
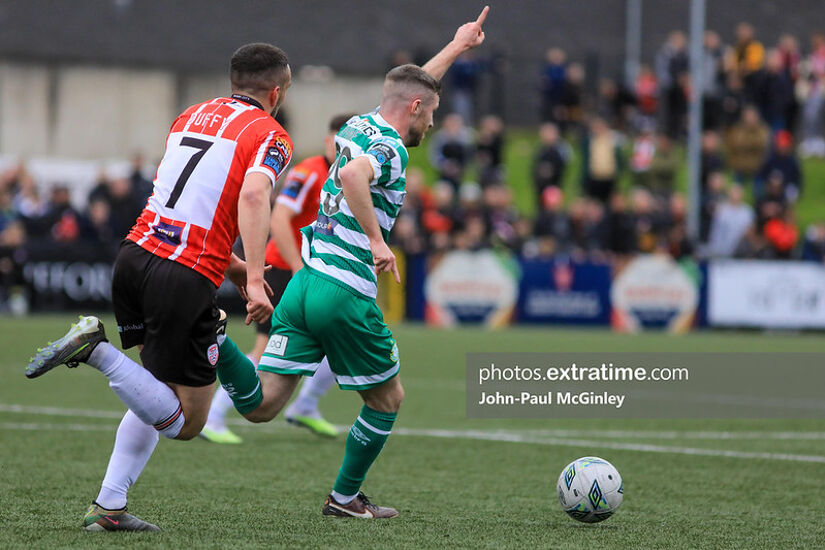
pixel 415 106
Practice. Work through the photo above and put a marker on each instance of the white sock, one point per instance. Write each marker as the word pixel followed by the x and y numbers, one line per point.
pixel 134 444
pixel 150 399
pixel 342 499
pixel 312 389
pixel 221 403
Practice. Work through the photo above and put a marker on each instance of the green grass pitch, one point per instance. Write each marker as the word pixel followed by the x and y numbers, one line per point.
pixel 460 491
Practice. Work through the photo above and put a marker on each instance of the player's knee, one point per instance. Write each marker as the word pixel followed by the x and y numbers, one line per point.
pixel 191 429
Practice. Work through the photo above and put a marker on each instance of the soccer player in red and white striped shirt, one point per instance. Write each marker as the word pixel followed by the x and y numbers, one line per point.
pixel 221 161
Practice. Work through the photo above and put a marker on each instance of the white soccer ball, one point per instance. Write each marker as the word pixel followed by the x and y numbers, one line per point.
pixel 590 489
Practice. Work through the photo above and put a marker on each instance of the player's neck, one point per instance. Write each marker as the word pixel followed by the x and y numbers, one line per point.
pixel 396 118
pixel 252 99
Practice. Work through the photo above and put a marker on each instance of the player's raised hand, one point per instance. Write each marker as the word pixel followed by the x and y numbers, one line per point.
pixel 470 35
pixel 384 260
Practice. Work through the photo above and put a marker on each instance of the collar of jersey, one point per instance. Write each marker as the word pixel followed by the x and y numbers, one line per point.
pixel 383 121
pixel 247 99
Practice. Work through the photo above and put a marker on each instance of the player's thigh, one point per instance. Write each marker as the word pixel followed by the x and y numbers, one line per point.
pixel 291 348
pixel 195 402
pixel 360 347
pixel 180 314
pixel 277 389
pixel 127 278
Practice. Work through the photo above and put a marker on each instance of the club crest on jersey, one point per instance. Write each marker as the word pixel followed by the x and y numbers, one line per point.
pixel 170 234
pixel 275 159
pixel 212 354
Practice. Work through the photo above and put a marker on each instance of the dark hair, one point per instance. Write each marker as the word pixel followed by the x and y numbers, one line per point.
pixel 337 121
pixel 413 74
pixel 258 67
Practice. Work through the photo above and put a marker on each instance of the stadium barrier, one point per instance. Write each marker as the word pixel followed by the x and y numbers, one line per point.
pixel 496 289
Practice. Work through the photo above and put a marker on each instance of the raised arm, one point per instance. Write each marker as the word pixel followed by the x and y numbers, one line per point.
pixel 467 37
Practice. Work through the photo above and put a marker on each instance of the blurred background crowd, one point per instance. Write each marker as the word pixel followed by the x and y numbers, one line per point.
pixel 606 174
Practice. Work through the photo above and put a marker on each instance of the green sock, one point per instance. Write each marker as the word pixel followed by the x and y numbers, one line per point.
pixel 239 378
pixel 365 440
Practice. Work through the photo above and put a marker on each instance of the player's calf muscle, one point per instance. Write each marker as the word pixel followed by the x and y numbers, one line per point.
pixel 277 389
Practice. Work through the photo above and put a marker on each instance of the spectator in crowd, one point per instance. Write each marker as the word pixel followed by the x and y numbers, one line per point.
pixel 571 114
pixel 747 144
pixel 713 77
pixel 142 186
pixel 601 160
pixel 748 59
pixel 677 242
pixel 490 150
pixel 641 157
pixel 500 217
pixel 620 230
pixel 731 221
pixel 791 59
pixel 813 248
pixel 587 227
pixel 647 97
pixel 438 219
pixel 772 204
pixel 463 77
pixel 733 100
pixel 451 149
pixel 775 93
pixel 711 157
pixel 811 92
pixel 671 67
pixel 550 160
pixel 553 84
pixel 713 194
pixel 781 235
pixel 60 223
pixel 97 227
pixel 782 160
pixel 552 227
pixel 649 220
pixel 663 168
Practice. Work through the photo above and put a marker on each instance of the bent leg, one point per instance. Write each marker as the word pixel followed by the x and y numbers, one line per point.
pixel 277 389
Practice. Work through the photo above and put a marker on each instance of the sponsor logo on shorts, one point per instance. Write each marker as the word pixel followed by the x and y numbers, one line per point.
pixel 125 328
pixel 212 354
pixel 276 345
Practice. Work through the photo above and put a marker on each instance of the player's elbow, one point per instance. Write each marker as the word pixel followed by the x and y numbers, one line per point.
pixel 253 197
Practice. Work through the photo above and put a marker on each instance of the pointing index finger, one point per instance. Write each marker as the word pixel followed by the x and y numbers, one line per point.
pixel 483 15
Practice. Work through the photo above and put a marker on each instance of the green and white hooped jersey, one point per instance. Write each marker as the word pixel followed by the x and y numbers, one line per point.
pixel 335 245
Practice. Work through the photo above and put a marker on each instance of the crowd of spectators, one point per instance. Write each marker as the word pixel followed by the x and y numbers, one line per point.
pixel 606 166
pixel 604 169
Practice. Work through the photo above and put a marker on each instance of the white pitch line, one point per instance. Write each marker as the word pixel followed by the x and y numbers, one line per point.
pixel 520 438
pixel 528 437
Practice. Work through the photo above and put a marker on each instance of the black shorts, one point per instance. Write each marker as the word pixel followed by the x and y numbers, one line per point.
pixel 171 310
pixel 277 279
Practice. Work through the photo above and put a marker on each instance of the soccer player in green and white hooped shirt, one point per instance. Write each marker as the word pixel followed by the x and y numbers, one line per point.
pixel 329 306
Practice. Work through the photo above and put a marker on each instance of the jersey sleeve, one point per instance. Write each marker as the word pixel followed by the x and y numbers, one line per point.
pixel 388 158
pixel 299 181
pixel 273 151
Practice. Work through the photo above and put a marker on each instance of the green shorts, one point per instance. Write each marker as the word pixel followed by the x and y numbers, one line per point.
pixel 319 317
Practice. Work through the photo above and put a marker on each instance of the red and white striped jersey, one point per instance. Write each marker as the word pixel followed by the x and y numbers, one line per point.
pixel 192 216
